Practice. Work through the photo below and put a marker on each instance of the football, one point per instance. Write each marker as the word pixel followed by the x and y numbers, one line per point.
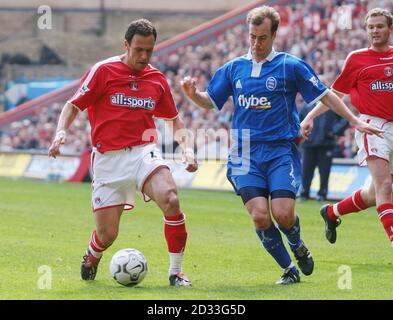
pixel 128 267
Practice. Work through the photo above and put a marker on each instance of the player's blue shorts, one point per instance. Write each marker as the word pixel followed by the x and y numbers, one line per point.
pixel 272 166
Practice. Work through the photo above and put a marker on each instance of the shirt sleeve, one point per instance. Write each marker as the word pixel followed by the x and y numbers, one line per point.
pixel 346 80
pixel 90 90
pixel 308 83
pixel 219 88
pixel 166 107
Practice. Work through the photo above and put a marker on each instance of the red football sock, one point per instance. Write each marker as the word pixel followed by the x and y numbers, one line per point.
pixel 385 214
pixel 95 246
pixel 175 233
pixel 351 204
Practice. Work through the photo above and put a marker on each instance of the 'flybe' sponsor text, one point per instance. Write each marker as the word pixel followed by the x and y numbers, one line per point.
pixel 254 102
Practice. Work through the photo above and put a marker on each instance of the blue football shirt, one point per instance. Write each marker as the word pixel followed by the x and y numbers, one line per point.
pixel 264 94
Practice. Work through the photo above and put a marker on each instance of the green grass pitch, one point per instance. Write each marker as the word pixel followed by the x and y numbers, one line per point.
pixel 50 224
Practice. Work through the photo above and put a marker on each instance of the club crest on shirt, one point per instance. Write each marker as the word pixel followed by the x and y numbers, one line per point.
pixel 134 86
pixel 271 83
pixel 388 71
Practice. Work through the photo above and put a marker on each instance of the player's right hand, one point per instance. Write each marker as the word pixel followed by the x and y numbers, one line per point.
pixel 60 138
pixel 188 85
pixel 367 128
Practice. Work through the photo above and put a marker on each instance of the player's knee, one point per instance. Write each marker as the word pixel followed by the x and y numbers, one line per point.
pixel 285 219
pixel 261 218
pixel 170 201
pixel 385 187
pixel 369 199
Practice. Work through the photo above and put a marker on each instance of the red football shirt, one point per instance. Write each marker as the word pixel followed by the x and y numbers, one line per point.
pixel 367 76
pixel 122 102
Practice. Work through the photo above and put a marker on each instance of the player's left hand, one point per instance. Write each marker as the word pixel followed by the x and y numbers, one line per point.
pixel 190 160
pixel 306 128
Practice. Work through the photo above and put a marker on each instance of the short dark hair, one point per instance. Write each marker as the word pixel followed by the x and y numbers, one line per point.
pixel 141 26
pixel 257 15
pixel 376 12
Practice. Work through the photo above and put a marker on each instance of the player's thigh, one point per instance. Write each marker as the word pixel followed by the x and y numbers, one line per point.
pixel 258 206
pixel 391 162
pixel 284 181
pixel 379 169
pixel 160 185
pixel 283 208
pixel 283 211
pixel 284 176
pixel 250 183
pixel 380 172
pixel 152 168
pixel 113 180
pixel 372 146
pixel 376 153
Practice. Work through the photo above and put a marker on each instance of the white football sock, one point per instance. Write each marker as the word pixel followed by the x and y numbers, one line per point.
pixel 175 262
pixel 95 253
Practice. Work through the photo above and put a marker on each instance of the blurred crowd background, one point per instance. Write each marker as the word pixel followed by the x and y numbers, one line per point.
pixel 317 31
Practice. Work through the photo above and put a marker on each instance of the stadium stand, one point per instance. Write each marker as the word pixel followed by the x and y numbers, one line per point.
pixel 319 32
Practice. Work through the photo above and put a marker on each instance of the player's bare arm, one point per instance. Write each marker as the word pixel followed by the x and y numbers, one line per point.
pixel 307 124
pixel 339 107
pixel 201 99
pixel 67 116
pixel 182 137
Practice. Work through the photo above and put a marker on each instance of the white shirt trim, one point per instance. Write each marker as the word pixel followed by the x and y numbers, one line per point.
pixel 167 119
pixel 96 66
pixel 333 89
pixel 213 102
pixel 75 106
pixel 319 97
pixel 91 74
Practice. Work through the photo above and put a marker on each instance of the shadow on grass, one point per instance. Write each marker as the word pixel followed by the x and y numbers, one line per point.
pixel 108 291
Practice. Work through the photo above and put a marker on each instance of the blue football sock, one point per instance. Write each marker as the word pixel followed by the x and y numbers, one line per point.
pixel 272 241
pixel 293 234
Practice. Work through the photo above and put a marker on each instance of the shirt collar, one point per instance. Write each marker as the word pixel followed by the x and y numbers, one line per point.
pixel 269 58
